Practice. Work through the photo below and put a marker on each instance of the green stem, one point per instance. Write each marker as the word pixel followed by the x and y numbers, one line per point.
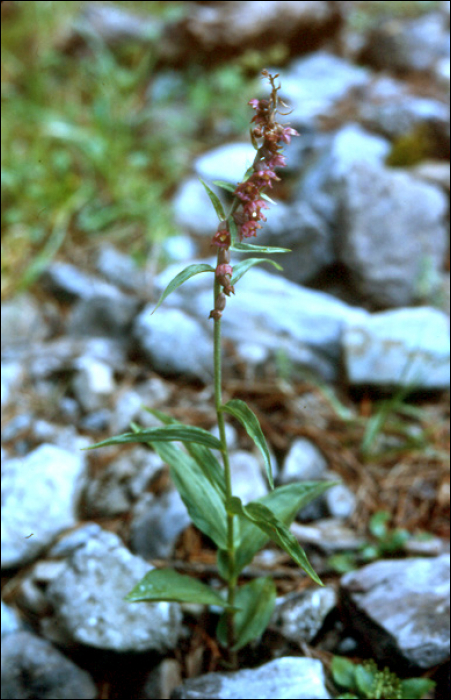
pixel 227 472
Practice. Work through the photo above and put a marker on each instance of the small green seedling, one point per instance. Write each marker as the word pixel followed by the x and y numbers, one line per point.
pixel 368 681
pixel 385 543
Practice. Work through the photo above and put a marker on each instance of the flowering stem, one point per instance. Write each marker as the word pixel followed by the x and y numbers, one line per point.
pixel 227 472
pixel 245 214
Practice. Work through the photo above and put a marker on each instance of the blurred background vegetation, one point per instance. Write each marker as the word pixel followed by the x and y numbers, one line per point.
pixel 94 143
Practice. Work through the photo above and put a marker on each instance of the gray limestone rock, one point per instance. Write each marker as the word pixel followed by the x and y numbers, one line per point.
pixel 88 599
pixel 40 497
pixel 33 668
pixel 402 608
pixel 392 233
pixel 284 678
pixel 404 347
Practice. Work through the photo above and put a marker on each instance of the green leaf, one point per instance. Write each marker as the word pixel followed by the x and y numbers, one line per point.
pixel 242 267
pixel 205 503
pixel 169 433
pixel 239 410
pixel 182 276
pixel 251 248
pixel 343 563
pixel 284 502
pixel 225 185
pixel 275 529
pixel 169 585
pixel 378 524
pixel 343 672
pixel 215 201
pixel 395 541
pixel 203 456
pixel 416 688
pixel 255 601
pixel 268 198
pixel 365 678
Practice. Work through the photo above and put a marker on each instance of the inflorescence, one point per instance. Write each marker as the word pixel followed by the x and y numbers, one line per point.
pixel 248 206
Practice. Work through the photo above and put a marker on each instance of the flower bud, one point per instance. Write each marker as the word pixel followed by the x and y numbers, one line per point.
pixel 223 270
pixel 220 303
pixel 215 314
pixel 224 281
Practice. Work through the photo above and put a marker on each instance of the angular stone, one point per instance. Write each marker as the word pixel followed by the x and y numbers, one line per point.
pixel 33 668
pixel 175 342
pixel 288 677
pixel 402 608
pixel 88 599
pixel 392 234
pixel 299 617
pixel 405 347
pixel 40 498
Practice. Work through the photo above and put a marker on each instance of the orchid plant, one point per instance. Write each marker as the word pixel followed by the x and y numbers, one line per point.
pixel 238 530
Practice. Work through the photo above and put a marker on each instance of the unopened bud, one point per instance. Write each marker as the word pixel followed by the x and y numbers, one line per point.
pixel 215 314
pixel 220 302
pixel 222 270
pixel 227 287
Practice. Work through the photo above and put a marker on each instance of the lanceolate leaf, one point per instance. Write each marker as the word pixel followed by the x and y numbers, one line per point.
pixel 182 276
pixel 225 185
pixel 284 502
pixel 168 433
pixel 249 421
pixel 242 267
pixel 255 601
pixel 203 456
pixel 215 201
pixel 205 503
pixel 267 197
pixel 169 585
pixel 251 248
pixel 276 530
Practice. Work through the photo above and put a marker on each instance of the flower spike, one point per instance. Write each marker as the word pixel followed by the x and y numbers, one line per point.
pixel 268 138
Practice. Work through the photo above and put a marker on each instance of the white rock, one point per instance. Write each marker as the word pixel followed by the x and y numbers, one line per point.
pixel 399 348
